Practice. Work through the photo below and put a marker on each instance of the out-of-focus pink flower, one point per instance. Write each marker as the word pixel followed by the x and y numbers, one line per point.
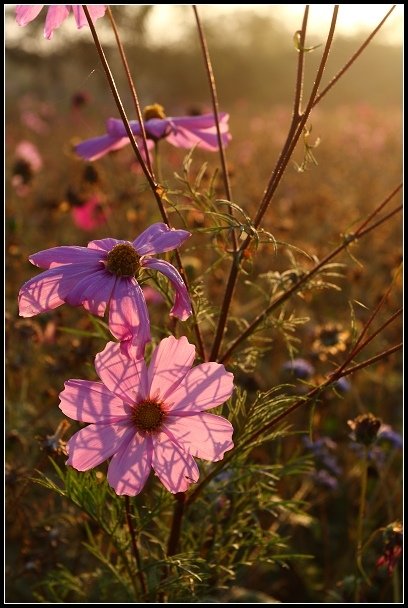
pixel 182 132
pixel 56 14
pixel 28 162
pixel 34 122
pixel 27 151
pixel 149 416
pixel 89 215
pixel 152 295
pixel 105 272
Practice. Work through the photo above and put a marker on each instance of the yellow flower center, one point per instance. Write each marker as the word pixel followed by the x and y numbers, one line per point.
pixel 123 260
pixel 148 416
pixel 154 111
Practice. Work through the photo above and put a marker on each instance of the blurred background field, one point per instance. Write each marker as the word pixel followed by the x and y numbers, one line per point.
pixel 56 96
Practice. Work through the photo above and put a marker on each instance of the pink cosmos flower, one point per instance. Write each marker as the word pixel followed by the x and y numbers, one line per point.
pixel 90 215
pixel 56 14
pixel 105 273
pixel 182 132
pixel 149 416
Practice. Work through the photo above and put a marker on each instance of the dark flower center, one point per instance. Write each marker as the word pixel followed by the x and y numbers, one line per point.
pixel 154 111
pixel 123 260
pixel 23 169
pixel 148 416
pixel 329 337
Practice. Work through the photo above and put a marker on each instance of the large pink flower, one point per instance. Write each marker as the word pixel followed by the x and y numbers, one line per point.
pixel 56 14
pixel 149 416
pixel 182 132
pixel 105 272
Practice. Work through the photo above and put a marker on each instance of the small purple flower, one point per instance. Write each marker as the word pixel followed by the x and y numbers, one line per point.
pixel 342 385
pixel 105 273
pixel 386 433
pixel 327 469
pixel 324 479
pixel 182 132
pixel 56 14
pixel 299 368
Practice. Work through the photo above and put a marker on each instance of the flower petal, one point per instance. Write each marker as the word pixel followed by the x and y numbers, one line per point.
pixel 57 13
pixel 104 244
pixel 128 316
pixel 96 147
pixel 170 362
pixel 88 401
pixel 205 386
pixel 130 467
pixel 27 12
pixel 60 256
pixel 202 435
pixel 95 11
pixel 93 292
pixel 201 122
pixel 159 238
pixel 126 378
pixel 182 304
pixel 201 131
pixel 157 127
pixel 49 289
pixel 175 468
pixel 95 443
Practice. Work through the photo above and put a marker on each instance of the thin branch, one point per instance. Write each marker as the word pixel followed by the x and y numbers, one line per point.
pixel 353 58
pixel 132 89
pixel 297 109
pixel 281 298
pixel 295 131
pixel 303 400
pixel 155 187
pixel 134 546
pixel 383 355
pixel 215 105
pixel 174 537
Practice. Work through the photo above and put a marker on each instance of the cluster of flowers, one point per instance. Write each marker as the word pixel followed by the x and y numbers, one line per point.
pixel 141 416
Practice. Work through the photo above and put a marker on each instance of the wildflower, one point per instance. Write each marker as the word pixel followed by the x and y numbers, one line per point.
pixel 149 416
pixel 382 446
pixel 365 428
pixel 182 132
pixel 342 385
pixel 28 162
pixel 106 273
pixel 327 469
pixel 56 14
pixel 330 339
pixel 89 214
pixel 386 433
pixel 298 368
pixel 392 537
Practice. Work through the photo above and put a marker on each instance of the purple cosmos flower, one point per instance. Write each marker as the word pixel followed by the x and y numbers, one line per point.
pixel 182 132
pixel 105 272
pixel 56 14
pixel 149 416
